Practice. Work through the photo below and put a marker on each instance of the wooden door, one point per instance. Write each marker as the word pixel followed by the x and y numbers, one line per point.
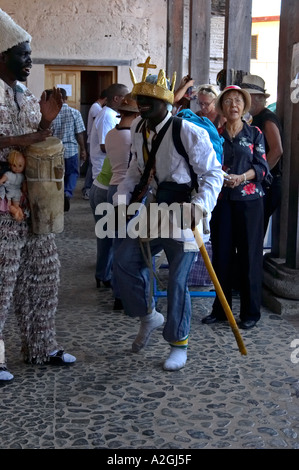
pixel 55 76
pixel 84 82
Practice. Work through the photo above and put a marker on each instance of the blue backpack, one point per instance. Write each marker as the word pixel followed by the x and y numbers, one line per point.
pixel 203 122
pixel 206 124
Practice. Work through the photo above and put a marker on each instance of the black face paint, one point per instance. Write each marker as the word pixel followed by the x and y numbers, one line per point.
pixel 151 108
pixel 18 61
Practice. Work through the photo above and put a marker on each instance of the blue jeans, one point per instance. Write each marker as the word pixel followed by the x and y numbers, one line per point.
pixel 133 279
pixel 71 174
pixel 88 178
pixel 104 245
pixel 115 243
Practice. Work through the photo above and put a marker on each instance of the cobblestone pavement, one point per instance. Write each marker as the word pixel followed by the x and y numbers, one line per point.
pixel 114 399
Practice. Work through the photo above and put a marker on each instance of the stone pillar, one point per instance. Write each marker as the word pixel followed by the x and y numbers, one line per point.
pixel 281 266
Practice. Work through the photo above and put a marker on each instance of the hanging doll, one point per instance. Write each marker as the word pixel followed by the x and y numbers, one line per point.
pixel 12 184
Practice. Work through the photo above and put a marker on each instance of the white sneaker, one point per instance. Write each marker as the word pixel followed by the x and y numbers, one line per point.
pixel 5 375
pixel 176 360
pixel 148 324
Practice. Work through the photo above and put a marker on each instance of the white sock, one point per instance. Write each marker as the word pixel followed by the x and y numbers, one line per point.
pixel 5 375
pixel 176 360
pixel 147 324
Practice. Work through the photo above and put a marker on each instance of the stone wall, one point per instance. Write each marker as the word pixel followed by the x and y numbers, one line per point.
pixel 92 30
pixel 216 46
pixel 89 29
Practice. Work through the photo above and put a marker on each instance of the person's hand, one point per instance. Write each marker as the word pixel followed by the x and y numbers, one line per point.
pixel 232 181
pixel 192 214
pixel 83 155
pixel 50 107
pixel 186 81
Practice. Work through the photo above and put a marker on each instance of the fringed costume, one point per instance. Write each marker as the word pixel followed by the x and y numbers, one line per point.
pixel 29 280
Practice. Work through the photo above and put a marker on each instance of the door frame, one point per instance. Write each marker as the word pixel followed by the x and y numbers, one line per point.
pixel 76 69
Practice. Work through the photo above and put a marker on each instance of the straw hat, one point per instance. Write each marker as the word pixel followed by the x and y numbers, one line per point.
pixel 246 96
pixel 128 104
pixel 11 34
pixel 254 85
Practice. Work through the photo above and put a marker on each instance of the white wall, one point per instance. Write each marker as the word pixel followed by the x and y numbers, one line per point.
pixel 216 46
pixel 266 64
pixel 92 30
pixel 95 30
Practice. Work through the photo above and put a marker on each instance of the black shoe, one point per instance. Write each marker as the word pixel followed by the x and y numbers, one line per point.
pixel 66 203
pixel 247 324
pixel 118 305
pixel 107 283
pixel 103 283
pixel 210 319
pixel 60 358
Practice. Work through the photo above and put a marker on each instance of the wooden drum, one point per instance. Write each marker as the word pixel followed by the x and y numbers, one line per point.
pixel 45 175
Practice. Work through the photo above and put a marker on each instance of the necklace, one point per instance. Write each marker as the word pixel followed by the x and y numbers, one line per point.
pixel 236 131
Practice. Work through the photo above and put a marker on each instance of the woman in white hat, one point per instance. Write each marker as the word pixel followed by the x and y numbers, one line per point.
pixel 237 220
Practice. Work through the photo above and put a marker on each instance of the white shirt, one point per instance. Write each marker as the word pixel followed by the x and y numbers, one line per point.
pixel 93 112
pixel 103 123
pixel 171 166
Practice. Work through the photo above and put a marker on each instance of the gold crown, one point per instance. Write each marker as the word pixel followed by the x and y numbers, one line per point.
pixel 157 90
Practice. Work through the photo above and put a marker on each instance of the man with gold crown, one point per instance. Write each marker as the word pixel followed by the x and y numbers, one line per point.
pixel 29 274
pixel 157 166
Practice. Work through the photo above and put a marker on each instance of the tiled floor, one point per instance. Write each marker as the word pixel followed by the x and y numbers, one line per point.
pixel 114 399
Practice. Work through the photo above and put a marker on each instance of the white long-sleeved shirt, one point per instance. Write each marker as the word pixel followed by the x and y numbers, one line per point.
pixel 171 166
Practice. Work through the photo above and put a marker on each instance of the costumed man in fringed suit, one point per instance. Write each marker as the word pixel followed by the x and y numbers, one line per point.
pixel 29 263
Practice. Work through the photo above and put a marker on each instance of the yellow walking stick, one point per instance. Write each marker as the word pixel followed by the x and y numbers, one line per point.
pixel 219 292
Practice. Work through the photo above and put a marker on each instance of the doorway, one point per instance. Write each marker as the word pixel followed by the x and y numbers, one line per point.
pixel 84 83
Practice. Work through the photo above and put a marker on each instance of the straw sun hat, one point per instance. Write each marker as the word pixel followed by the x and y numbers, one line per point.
pixel 255 85
pixel 244 93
